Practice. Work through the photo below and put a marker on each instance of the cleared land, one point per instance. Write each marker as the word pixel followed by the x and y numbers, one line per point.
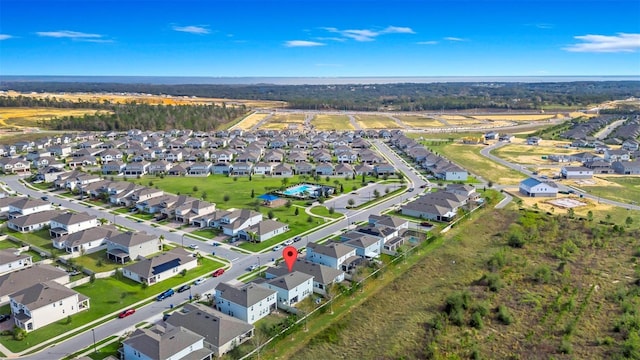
pixel 419 121
pixel 530 155
pixel 516 117
pixel 251 121
pixel 625 189
pixel 283 121
pixel 20 117
pixel 376 122
pixel 332 122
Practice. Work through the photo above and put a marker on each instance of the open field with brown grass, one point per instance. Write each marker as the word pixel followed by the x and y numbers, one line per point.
pixel 419 121
pixel 251 120
pixel 621 188
pixel 14 117
pixel 562 295
pixel 331 122
pixel 376 122
pixel 519 153
pixel 454 117
pixel 150 99
pixel 283 120
pixel 516 117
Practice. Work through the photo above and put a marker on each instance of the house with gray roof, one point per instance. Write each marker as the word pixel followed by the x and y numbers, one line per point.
pixel 26 277
pixel 177 343
pixel 439 206
pixel 13 260
pixel 536 188
pixel 86 241
pixel 33 222
pixel 129 245
pixel 292 288
pixel 70 222
pixel 264 230
pixel 333 255
pixel 222 333
pixel 249 303
pixel 160 267
pixel 27 205
pixel 323 276
pixel 44 303
pixel 626 167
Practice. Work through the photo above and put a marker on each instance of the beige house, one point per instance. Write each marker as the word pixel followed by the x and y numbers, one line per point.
pixel 160 267
pixel 129 246
pixel 26 277
pixel 44 303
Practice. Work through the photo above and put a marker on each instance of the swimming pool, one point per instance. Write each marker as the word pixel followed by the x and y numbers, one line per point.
pixel 299 190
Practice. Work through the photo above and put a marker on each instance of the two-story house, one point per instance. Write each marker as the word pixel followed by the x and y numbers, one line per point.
pixel 291 288
pixel 333 255
pixel 249 303
pixel 69 223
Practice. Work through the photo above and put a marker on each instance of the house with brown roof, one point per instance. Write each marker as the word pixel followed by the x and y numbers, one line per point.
pixel 27 276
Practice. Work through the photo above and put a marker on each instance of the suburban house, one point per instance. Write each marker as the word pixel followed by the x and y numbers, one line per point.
pixel 323 276
pixel 616 155
pixel 291 288
pixel 576 172
pixel 28 276
pixel 627 167
pixel 533 140
pixel 129 246
pixel 535 188
pixel 222 333
pixel 334 255
pixel 239 219
pixel 26 205
pixel 187 212
pixel 264 230
pixel 13 260
pixel 44 303
pixel 14 166
pixel 176 343
pixel 439 206
pixel 69 223
pixel 33 222
pixel 160 267
pixel 366 246
pixel 86 241
pixel 249 303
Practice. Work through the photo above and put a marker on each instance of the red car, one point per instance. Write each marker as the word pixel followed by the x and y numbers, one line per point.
pixel 126 313
pixel 218 273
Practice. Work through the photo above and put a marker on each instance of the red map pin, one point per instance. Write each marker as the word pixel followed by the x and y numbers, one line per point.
pixel 290 255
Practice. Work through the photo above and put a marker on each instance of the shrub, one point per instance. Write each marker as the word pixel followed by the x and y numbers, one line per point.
pixel 493 281
pixel 481 308
pixel 542 274
pixel 19 334
pixel 504 316
pixel 476 321
pixel 566 347
pixel 515 240
pixel 457 302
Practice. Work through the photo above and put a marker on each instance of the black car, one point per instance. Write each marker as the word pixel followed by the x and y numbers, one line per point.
pixel 4 317
pixel 184 288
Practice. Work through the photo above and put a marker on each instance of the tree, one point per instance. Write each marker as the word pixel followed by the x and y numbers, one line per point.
pixel 331 292
pixel 270 214
pixel 296 211
pixel 327 179
pixel 351 202
pixel 341 188
pixel 288 204
pixel 204 195
pixel 285 181
pixel 332 210
pixel 195 188
pixel 589 215
pixel 226 197
pixel 376 193
pixel 253 193
pixel 490 184
pixel 628 221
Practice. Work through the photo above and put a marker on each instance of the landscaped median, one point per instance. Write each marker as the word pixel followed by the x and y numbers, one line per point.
pixel 107 297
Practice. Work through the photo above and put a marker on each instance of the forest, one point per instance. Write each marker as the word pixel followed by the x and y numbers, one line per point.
pixel 378 97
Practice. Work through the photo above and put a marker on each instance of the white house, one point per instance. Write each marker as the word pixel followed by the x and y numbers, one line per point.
pixel 160 267
pixel 535 188
pixel 249 303
pixel 69 223
pixel 576 172
pixel 44 303
pixel 323 276
pixel 333 255
pixel 264 230
pixel 12 260
pixel 28 276
pixel 239 219
pixel 32 222
pixel 86 241
pixel 26 206
pixel 292 288
pixel 129 245
pixel 177 343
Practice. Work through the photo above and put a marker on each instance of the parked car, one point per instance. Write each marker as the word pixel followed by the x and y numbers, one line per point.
pixel 193 246
pixel 45 198
pixel 252 267
pixel 184 288
pixel 424 223
pixel 215 243
pixel 297 238
pixel 126 313
pixel 199 281
pixel 288 242
pixel 166 294
pixel 4 317
pixel 278 248
pixel 218 273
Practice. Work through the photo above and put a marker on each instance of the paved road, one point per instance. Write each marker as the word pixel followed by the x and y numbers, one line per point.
pixel 239 261
pixel 486 152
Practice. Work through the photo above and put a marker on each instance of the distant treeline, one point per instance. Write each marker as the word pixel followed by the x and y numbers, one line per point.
pixel 133 116
pixel 398 97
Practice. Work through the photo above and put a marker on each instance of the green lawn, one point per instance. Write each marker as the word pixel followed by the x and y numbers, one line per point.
pixel 323 211
pixel 90 261
pixel 107 296
pixel 627 192
pixel 142 216
pixel 123 210
pixel 207 233
pixel 8 244
pixel 38 238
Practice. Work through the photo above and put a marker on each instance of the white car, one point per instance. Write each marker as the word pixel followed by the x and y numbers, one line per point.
pixel 278 247
pixel 198 282
pixel 193 246
pixel 288 242
pixel 252 267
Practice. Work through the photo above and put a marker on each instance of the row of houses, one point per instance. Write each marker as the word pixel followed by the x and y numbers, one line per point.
pixel 439 166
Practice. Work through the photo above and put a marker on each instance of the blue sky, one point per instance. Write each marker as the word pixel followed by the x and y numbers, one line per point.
pixel 311 38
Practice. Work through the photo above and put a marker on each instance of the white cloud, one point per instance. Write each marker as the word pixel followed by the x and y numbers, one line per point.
pixel 367 34
pixel 431 42
pixel 451 38
pixel 544 26
pixel 302 43
pixel 621 42
pixel 192 29
pixel 68 34
pixel 5 36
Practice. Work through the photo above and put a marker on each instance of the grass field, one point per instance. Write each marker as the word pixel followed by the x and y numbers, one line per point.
pixel 283 121
pixel 332 122
pixel 376 122
pixel 419 121
pixel 12 117
pixel 468 156
pixel 516 117
pixel 251 120
pixel 625 189
pixel 527 154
